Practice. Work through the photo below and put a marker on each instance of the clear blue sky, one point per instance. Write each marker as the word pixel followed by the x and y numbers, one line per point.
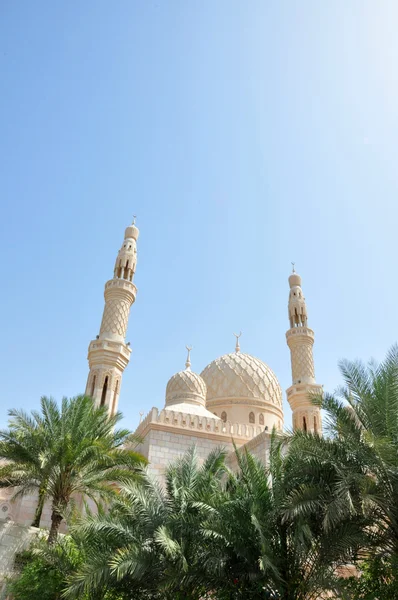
pixel 244 135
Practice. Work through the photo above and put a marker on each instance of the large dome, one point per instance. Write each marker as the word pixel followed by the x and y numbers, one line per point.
pixel 241 379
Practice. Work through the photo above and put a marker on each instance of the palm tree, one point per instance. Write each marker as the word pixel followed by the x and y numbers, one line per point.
pixel 24 448
pixel 359 455
pixel 260 547
pixel 149 539
pixel 211 531
pixel 66 452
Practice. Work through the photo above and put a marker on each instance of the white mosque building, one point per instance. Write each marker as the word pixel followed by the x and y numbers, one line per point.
pixel 236 399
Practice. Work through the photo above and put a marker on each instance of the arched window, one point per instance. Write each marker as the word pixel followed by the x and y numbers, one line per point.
pixel 304 424
pixel 115 397
pixel 104 390
pixel 315 425
pixel 93 386
pixel 261 419
pixel 224 416
pixel 252 418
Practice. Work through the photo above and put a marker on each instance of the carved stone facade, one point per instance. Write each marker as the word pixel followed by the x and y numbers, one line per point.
pixel 244 389
pixel 300 342
pixel 115 318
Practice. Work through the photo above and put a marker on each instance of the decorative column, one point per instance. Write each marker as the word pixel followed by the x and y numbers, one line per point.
pixel 108 354
pixel 300 339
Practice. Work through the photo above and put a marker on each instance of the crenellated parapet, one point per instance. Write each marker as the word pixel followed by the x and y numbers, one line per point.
pixel 193 424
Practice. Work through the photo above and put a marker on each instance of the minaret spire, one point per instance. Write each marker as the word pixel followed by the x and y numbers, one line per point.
pixel 108 354
pixel 300 339
pixel 188 361
pixel 237 345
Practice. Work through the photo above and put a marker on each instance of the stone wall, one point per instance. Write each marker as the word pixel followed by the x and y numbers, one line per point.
pixel 258 447
pixel 13 539
pixel 166 435
pixel 164 447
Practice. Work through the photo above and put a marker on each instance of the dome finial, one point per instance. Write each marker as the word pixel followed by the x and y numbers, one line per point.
pixel 237 346
pixel 188 363
pixel 293 267
pixel 134 218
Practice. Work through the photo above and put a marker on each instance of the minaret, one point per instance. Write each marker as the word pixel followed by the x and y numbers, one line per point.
pixel 300 339
pixel 108 355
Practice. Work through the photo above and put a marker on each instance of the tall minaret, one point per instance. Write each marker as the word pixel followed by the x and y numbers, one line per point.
pixel 300 339
pixel 108 355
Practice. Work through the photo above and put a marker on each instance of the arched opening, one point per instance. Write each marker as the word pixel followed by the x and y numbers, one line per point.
pixel 93 386
pixel 115 397
pixel 315 425
pixel 104 390
pixel 224 416
pixel 304 424
pixel 252 418
pixel 261 419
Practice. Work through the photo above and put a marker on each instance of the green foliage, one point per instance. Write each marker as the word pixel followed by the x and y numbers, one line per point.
pixel 66 451
pixel 43 571
pixel 377 580
pixel 37 581
pixel 354 469
pixel 211 534
pixel 150 536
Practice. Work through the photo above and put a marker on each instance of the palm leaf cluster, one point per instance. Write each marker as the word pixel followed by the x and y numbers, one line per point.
pixel 66 453
pixel 151 536
pixel 212 533
pixel 356 464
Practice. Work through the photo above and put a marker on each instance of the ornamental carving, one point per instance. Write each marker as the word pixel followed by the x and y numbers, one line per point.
pixel 239 375
pixel 115 318
pixel 302 362
pixel 186 385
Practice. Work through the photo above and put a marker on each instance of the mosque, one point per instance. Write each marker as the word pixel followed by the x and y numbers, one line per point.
pixel 236 399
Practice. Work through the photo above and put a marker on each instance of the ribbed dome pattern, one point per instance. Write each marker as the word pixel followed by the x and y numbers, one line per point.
pixel 239 375
pixel 186 386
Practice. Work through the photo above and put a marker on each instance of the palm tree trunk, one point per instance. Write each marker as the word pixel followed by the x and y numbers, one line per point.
pixel 39 508
pixel 56 520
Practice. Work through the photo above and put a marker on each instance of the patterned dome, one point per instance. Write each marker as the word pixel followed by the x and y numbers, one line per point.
pixel 241 376
pixel 186 386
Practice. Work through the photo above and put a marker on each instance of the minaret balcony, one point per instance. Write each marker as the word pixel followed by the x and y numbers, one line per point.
pixel 304 389
pixel 297 331
pixel 121 284
pixel 108 352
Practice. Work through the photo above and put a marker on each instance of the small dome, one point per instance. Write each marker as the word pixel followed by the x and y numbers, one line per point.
pixel 294 280
pixel 186 386
pixel 241 376
pixel 132 232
